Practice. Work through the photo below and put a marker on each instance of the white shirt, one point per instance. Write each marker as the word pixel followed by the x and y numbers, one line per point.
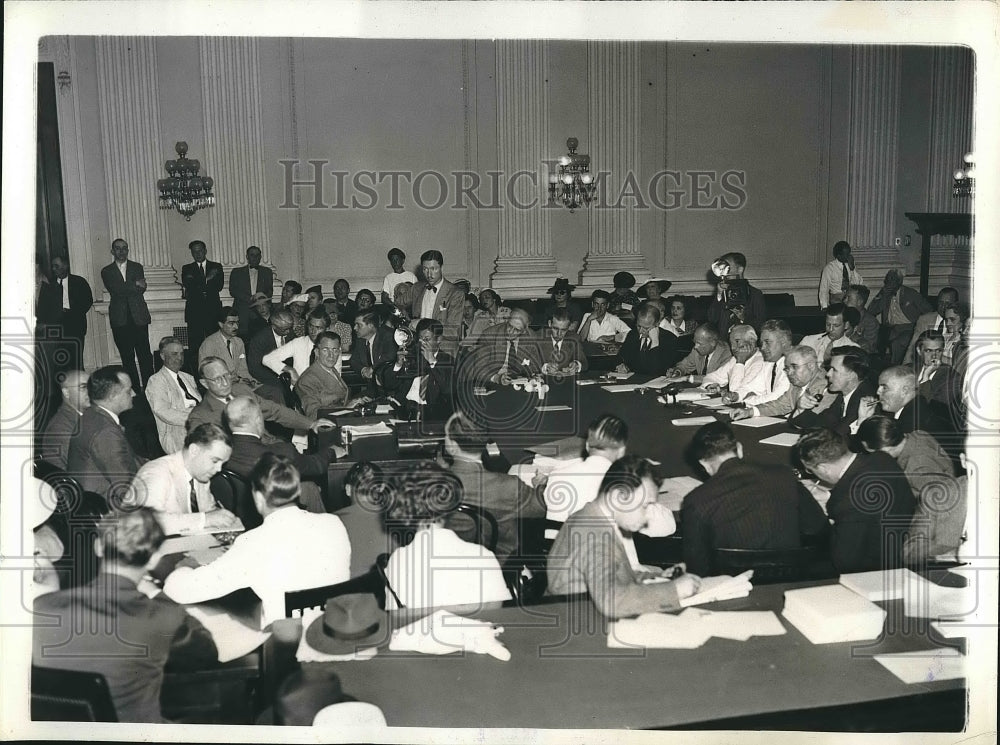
pixel 122 267
pixel 430 299
pixel 822 342
pixel 64 284
pixel 770 392
pixel 667 324
pixel 610 325
pixel 192 389
pixel 742 377
pixel 253 279
pixel 291 550
pixel 164 485
pixel 111 414
pixel 832 278
pixel 438 569
pixel 392 279
pixel 299 349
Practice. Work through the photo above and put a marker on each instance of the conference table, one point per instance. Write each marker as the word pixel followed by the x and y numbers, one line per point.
pixel 562 674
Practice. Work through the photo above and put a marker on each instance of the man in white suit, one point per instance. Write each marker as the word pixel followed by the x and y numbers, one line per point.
pixel 437 298
pixel 171 393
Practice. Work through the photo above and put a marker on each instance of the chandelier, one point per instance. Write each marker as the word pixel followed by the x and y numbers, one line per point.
pixel 965 178
pixel 185 190
pixel 573 185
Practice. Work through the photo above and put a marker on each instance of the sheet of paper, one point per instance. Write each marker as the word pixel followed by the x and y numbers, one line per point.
pixel 760 421
pixel 712 403
pixel 621 388
pixel 950 629
pixel 565 448
pixel 363 430
pixel 695 421
pixel 587 382
pixel 342 412
pixel 737 625
pixel 674 489
pixel 660 382
pixel 232 638
pixel 692 394
pixel 657 631
pixel 553 407
pixel 722 587
pixel 784 439
pixel 924 666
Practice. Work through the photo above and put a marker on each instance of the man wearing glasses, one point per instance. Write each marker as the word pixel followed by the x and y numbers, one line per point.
pixel 320 385
pixel 218 381
pixel 279 332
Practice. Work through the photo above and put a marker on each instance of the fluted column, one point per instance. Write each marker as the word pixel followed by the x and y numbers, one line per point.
pixel 234 146
pixel 525 259
pixel 872 169
pixel 951 132
pixel 130 135
pixel 613 88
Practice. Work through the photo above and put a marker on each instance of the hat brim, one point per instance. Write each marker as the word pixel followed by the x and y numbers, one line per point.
pixel 568 288
pixel 318 638
pixel 663 283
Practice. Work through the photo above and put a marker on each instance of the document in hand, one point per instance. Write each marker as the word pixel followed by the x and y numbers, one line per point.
pixel 232 638
pixel 674 489
pixel 722 587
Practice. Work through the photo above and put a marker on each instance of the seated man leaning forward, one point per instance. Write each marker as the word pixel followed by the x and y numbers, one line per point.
pixel 594 551
pixel 176 486
pixel 292 549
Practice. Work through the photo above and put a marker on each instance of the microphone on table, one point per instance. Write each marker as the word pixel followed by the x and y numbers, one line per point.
pixel 672 390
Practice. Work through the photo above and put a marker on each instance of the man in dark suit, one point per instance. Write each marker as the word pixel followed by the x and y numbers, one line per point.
pixel 437 298
pixel 871 504
pixel 128 313
pixel 65 423
pixel 897 308
pixel 934 320
pixel 423 374
pixel 245 282
pixel 897 397
pixel 561 349
pixel 938 383
pixel 646 350
pixel 742 505
pixel 506 497
pixel 100 457
pixel 267 340
pixel 506 350
pixel 246 421
pixel 110 627
pixel 202 281
pixel 848 378
pixel 374 348
pixel 65 302
pixel 723 311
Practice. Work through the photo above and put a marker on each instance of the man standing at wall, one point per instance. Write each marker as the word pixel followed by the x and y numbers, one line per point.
pixel 202 281
pixel 838 276
pixel 67 299
pixel 128 314
pixel 437 298
pixel 245 282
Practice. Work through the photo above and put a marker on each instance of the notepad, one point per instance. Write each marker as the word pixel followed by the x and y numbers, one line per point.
pixel 692 394
pixel 784 439
pixel 881 585
pixel 694 421
pixel 760 421
pixel 722 587
pixel 621 388
pixel 712 403
pixel 673 491
pixel 924 666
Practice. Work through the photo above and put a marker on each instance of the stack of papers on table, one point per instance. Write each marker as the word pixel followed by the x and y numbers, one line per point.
pixel 760 421
pixel 889 584
pixel 832 613
pixel 368 430
pixel 695 421
pixel 924 666
pixel 622 387
pixel 722 587
pixel 693 394
pixel 784 439
pixel 660 382
pixel 691 629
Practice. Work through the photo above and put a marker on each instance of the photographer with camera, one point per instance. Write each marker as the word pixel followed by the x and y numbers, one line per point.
pixel 736 301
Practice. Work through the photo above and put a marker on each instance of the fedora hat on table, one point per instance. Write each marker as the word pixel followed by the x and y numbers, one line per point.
pixel 349 623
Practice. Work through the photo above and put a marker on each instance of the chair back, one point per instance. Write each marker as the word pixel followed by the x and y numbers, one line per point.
pixel 481 515
pixel 233 492
pixel 775 565
pixel 70 696
pixel 373 581
pixel 291 398
pixel 524 572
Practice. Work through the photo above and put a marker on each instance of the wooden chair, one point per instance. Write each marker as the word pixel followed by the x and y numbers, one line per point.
pixel 70 696
pixel 525 572
pixel 233 492
pixel 479 516
pixel 775 565
pixel 373 581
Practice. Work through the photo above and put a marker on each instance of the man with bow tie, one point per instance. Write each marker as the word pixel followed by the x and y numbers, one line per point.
pixel 437 298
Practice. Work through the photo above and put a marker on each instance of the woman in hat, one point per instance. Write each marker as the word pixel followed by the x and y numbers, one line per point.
pixel 623 294
pixel 561 293
pixel 433 567
pixel 654 289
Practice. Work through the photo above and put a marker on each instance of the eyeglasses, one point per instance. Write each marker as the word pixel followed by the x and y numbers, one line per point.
pixel 220 379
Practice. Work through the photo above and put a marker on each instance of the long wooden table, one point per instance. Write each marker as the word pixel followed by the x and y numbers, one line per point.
pixel 563 675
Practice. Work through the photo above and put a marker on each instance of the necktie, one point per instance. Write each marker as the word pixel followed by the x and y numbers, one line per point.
pixel 371 352
pixel 704 367
pixel 845 282
pixel 510 349
pixel 774 375
pixel 201 268
pixel 312 356
pixel 557 349
pixel 644 346
pixel 940 326
pixel 184 388
pixel 194 498
pixel 229 347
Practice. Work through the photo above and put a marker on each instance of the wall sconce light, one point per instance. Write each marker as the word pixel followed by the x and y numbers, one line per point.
pixel 573 185
pixel 965 178
pixel 185 190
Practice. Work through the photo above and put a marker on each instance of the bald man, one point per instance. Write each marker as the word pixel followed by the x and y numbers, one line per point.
pixel 66 421
pixel 897 397
pixel 507 350
pixel 807 383
pixel 710 352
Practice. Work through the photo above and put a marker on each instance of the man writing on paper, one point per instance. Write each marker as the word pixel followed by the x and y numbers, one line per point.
pixel 708 355
pixel 594 551
pixel 176 486
pixel 742 505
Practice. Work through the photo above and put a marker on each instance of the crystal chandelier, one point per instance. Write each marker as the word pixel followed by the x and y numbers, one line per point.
pixel 965 178
pixel 573 185
pixel 185 190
